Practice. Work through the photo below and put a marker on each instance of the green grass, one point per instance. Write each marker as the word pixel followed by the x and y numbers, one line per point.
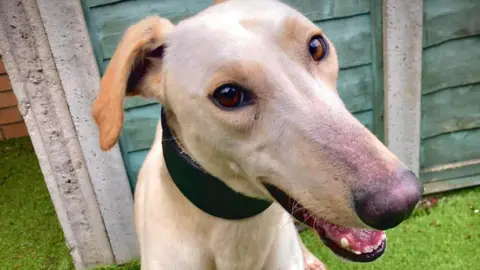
pixel 129 266
pixel 30 238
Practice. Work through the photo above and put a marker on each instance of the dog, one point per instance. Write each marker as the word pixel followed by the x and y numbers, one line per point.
pixel 253 135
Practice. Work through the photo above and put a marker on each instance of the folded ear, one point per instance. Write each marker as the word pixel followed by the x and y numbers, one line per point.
pixel 135 69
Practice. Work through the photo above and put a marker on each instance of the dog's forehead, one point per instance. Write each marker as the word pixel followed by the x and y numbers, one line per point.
pixel 238 30
pixel 232 23
pixel 269 12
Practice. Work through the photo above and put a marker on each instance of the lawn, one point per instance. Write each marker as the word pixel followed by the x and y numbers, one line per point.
pixel 30 236
pixel 446 237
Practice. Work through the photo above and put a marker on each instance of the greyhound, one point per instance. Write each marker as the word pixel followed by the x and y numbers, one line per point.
pixel 253 135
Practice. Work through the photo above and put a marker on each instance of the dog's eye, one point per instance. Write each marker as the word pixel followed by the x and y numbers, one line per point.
pixel 231 96
pixel 318 47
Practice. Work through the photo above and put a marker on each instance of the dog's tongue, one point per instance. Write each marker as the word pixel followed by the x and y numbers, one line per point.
pixel 356 240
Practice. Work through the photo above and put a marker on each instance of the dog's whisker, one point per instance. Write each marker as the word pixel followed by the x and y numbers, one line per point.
pixel 296 208
pixel 299 4
pixel 288 222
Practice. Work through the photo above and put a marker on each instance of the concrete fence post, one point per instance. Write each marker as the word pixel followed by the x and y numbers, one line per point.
pixel 402 54
pixel 48 55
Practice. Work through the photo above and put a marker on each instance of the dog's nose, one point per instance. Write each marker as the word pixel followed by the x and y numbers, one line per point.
pixel 387 207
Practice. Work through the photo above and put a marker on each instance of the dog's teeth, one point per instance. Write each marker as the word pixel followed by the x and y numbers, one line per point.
pixel 344 243
pixel 384 236
pixel 356 252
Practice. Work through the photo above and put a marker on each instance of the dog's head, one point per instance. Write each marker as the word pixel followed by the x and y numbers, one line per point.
pixel 249 88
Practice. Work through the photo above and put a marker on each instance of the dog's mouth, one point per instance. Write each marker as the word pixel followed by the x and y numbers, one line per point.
pixel 357 245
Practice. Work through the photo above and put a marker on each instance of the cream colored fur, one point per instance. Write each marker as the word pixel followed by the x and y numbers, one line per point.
pixel 173 234
pixel 298 136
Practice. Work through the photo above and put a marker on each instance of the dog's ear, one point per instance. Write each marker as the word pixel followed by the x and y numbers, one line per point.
pixel 130 73
pixel 218 1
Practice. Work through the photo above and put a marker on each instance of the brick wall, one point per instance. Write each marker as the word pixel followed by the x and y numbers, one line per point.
pixel 11 122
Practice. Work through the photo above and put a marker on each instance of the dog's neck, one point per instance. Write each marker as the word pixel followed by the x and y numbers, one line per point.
pixel 208 193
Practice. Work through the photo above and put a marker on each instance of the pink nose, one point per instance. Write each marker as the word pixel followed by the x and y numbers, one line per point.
pixel 385 208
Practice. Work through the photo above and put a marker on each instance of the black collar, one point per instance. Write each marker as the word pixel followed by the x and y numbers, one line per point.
pixel 204 190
